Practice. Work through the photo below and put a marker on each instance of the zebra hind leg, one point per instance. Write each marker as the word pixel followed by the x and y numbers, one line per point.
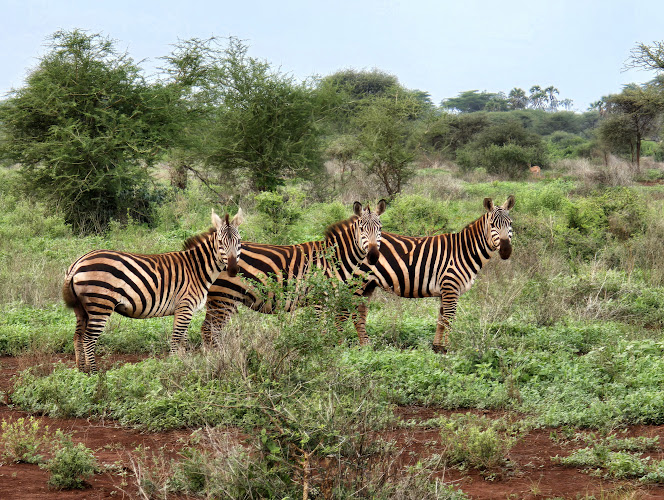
pixel 95 325
pixel 217 317
pixel 81 325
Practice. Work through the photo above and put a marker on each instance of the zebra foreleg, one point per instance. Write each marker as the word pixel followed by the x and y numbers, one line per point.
pixel 448 305
pixel 183 314
pixel 360 317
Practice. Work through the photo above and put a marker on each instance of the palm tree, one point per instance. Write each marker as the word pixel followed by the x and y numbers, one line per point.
pixel 600 106
pixel 567 104
pixel 550 92
pixel 517 98
pixel 537 97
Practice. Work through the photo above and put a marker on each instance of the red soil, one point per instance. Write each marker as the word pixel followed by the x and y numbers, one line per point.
pixel 532 474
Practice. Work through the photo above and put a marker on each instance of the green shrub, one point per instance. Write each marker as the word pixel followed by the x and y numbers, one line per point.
pixel 618 457
pixel 279 212
pixel 619 211
pixel 71 464
pixel 505 149
pixel 475 443
pixel 415 215
pixel 24 440
pixel 563 144
pixel 548 198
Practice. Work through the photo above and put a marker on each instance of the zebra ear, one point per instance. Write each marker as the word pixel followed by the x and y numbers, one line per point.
pixel 488 204
pixel 216 220
pixel 357 208
pixel 380 208
pixel 238 219
pixel 509 203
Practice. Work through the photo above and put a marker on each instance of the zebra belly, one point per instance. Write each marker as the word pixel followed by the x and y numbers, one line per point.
pixel 467 285
pixel 156 312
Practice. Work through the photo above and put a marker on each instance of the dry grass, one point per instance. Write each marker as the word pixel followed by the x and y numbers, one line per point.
pixel 34 280
pixel 615 172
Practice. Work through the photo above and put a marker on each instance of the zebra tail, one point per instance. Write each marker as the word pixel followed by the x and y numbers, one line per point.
pixel 68 294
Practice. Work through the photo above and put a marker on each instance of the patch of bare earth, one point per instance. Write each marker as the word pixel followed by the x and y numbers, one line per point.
pixel 532 474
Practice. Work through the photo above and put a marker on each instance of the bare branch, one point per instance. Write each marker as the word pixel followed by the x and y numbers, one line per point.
pixel 647 57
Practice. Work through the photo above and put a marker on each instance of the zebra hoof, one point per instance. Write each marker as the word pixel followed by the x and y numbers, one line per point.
pixel 440 349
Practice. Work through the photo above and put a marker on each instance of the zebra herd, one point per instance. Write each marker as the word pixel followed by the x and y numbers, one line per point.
pixel 219 271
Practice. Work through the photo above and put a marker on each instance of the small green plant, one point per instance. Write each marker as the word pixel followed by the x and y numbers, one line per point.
pixel 71 464
pixel 24 440
pixel 279 214
pixel 476 443
pixel 619 458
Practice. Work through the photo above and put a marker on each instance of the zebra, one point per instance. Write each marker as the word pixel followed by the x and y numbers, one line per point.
pixel 442 266
pixel 147 286
pixel 347 243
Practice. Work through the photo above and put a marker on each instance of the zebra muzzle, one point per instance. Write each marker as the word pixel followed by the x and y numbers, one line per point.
pixel 505 249
pixel 373 255
pixel 232 267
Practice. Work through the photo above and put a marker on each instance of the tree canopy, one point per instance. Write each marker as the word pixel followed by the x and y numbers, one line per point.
pixel 386 133
pixel 635 113
pixel 87 126
pixel 84 128
pixel 263 124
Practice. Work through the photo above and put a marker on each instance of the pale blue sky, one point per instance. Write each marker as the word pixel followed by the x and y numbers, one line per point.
pixel 437 46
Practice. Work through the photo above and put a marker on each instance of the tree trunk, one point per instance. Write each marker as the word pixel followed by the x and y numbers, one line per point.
pixel 178 174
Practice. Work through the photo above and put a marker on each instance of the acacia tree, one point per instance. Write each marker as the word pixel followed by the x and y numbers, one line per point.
pixel 190 70
pixel 263 123
pixel 84 128
pixel 387 135
pixel 647 57
pixel 471 101
pixel 640 107
pixel 342 93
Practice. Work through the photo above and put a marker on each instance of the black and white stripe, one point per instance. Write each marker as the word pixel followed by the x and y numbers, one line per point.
pixel 346 245
pixel 442 266
pixel 147 286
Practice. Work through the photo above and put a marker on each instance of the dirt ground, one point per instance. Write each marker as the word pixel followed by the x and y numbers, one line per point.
pixel 533 474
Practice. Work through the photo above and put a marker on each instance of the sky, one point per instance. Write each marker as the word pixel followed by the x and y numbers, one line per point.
pixel 438 46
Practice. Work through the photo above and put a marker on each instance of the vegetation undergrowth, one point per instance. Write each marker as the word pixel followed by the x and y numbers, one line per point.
pixel 618 458
pixel 27 440
pixel 568 332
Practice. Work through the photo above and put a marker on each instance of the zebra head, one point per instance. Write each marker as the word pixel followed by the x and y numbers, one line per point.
pixel 500 226
pixel 369 226
pixel 228 239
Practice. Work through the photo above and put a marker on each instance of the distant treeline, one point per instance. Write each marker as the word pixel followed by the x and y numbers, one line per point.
pixel 87 126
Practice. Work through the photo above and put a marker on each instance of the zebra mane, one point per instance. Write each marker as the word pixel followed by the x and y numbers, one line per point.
pixel 333 228
pixel 197 239
pixel 476 222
